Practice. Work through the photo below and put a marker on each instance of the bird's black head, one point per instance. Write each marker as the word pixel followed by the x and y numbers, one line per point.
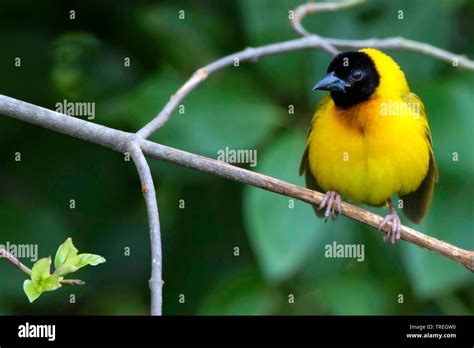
pixel 351 78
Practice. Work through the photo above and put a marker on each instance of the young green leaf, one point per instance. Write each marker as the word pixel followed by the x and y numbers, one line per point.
pixel 41 280
pixel 90 259
pixel 68 260
pixel 51 283
pixel 29 287
pixel 67 252
pixel 41 270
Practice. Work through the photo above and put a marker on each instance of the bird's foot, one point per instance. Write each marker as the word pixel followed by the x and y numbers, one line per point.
pixel 394 233
pixel 332 202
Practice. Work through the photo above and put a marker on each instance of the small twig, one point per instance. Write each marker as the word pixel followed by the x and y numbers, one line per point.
pixel 301 11
pixel 148 190
pixel 17 263
pixel 72 282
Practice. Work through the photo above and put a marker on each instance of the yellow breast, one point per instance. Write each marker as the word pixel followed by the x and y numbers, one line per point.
pixel 370 151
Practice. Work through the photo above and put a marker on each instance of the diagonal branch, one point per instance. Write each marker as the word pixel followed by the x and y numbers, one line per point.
pixel 118 140
pixel 14 261
pixel 148 189
pixel 268 183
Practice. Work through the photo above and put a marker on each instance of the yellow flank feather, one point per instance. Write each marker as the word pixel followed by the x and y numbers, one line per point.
pixel 376 148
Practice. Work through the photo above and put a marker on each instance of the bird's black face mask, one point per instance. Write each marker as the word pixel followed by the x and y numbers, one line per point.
pixel 351 78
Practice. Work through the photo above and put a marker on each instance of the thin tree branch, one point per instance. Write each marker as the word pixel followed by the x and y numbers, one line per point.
pixel 72 282
pixel 17 263
pixel 14 261
pixel 201 74
pixel 118 140
pixel 248 54
pixel 387 43
pixel 400 43
pixel 301 11
pixel 308 41
pixel 148 190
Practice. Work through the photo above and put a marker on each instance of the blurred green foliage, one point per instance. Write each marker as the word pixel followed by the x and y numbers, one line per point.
pixel 280 267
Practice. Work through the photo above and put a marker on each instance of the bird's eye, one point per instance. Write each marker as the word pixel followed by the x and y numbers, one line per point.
pixel 357 75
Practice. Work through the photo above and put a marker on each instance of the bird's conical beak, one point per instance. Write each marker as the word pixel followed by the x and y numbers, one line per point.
pixel 332 83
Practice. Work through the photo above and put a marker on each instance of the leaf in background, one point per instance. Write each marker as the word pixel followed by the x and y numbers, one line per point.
pixel 449 107
pixel 354 295
pixel 448 219
pixel 196 33
pixel 70 52
pixel 239 293
pixel 283 239
pixel 266 22
pixel 228 111
pixel 448 103
pixel 318 268
pixel 85 68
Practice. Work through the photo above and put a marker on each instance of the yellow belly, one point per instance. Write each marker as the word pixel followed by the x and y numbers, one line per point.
pixel 366 155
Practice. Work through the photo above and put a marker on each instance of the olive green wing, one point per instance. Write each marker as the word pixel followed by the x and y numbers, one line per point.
pixel 417 203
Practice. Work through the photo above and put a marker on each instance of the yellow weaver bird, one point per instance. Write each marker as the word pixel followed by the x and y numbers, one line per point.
pixel 370 139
